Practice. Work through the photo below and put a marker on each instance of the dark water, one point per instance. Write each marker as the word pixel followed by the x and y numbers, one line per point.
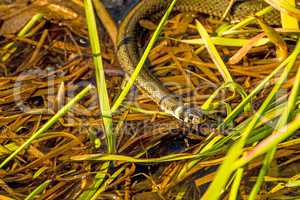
pixel 119 8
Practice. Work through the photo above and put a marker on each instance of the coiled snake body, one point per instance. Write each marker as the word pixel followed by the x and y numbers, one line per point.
pixel 128 54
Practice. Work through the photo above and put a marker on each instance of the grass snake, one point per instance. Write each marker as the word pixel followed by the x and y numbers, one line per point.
pixel 128 53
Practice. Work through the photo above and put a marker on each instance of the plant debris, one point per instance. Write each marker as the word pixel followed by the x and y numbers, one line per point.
pixel 157 157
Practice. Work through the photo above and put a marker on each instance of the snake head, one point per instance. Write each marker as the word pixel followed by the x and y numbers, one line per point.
pixel 190 114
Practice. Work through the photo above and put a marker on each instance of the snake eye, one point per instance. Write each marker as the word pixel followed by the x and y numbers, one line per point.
pixel 198 120
pixel 190 114
pixel 189 118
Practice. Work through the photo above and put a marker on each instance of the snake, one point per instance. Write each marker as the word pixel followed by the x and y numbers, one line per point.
pixel 128 46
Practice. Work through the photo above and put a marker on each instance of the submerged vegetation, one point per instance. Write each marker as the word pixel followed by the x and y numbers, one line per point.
pixel 74 126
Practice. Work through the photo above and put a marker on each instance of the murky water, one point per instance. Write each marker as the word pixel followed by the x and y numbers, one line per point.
pixel 119 8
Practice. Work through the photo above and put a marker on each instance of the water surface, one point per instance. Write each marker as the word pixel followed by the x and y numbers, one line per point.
pixel 119 8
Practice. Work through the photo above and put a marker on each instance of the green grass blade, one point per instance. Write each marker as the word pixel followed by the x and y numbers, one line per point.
pixel 248 20
pixel 7 148
pixel 219 142
pixel 22 33
pixel 26 28
pixel 143 59
pixel 275 38
pixel 103 99
pixel 182 192
pixel 108 181
pixel 222 41
pixel 293 183
pixel 98 181
pixel 284 118
pixel 224 173
pixel 255 91
pixel 236 184
pixel 263 171
pixel 271 96
pixel 270 142
pixel 214 53
pixel 187 166
pixel 207 104
pixel 100 185
pixel 38 190
pixel 214 145
pixel 39 172
pixel 116 157
pixel 292 102
pixel 287 21
pixel 286 7
pixel 49 123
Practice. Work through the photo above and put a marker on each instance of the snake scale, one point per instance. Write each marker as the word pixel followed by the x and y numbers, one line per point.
pixel 128 54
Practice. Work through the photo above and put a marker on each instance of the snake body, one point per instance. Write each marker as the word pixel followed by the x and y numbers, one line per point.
pixel 128 54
